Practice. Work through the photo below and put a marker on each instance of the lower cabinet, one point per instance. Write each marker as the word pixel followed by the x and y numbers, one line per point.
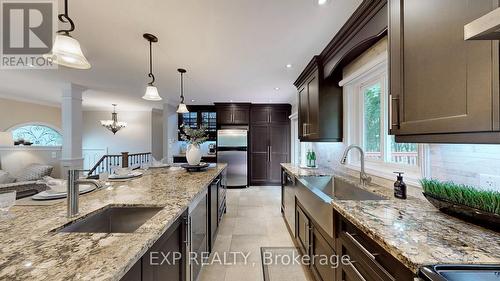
pixel 312 242
pixel 320 248
pixel 153 267
pixel 302 230
pixel 193 233
pixel 368 261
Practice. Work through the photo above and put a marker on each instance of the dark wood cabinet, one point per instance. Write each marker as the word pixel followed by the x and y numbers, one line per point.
pixel 213 217
pixel 288 187
pixel 173 241
pixel 233 113
pixel 442 88
pixel 302 230
pixel 368 260
pixel 320 248
pixel 152 266
pixel 269 142
pixel 320 105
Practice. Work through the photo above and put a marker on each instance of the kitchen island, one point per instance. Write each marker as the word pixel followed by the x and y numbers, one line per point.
pixel 33 250
pixel 412 231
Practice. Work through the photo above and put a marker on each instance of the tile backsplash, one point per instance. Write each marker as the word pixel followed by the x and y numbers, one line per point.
pixel 465 163
pixel 475 165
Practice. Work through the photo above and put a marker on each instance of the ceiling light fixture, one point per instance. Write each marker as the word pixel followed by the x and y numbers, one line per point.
pixel 277 89
pixel 182 107
pixel 66 50
pixel 322 2
pixel 288 66
pixel 151 91
pixel 193 100
pixel 113 125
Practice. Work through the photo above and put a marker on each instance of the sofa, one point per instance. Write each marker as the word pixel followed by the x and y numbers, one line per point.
pixel 27 182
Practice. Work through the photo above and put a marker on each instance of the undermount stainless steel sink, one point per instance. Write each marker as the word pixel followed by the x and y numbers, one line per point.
pixel 329 188
pixel 113 220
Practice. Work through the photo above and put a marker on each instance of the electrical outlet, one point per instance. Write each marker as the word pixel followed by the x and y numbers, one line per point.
pixel 491 182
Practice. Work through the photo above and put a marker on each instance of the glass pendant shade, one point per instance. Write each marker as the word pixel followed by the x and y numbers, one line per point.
pixel 182 108
pixel 151 94
pixel 67 52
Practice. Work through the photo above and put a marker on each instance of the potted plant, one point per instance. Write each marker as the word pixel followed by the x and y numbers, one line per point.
pixel 193 137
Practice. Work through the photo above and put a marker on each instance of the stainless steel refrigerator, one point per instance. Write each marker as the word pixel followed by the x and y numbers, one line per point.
pixel 232 149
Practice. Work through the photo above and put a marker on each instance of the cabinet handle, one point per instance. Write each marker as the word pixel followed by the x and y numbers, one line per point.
pixel 270 155
pixel 392 100
pixel 186 237
pixel 356 271
pixel 232 117
pixel 363 249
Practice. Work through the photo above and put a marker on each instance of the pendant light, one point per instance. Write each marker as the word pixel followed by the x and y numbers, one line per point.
pixel 66 50
pixel 113 125
pixel 151 91
pixel 182 107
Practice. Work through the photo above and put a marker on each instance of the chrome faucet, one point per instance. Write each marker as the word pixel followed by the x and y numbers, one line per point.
pixel 74 190
pixel 363 177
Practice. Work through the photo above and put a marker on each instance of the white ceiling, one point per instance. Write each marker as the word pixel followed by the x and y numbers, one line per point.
pixel 233 50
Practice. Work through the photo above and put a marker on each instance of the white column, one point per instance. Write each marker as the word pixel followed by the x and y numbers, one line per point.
pixel 165 130
pixel 72 124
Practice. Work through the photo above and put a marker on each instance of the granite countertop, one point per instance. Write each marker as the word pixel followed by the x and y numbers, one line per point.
pixel 30 251
pixel 413 230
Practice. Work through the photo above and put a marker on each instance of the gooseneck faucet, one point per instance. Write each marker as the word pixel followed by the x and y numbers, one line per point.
pixel 363 177
pixel 74 190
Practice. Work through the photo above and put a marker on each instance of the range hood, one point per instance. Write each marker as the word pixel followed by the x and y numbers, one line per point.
pixel 486 27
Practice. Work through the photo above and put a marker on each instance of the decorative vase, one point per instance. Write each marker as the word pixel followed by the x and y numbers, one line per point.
pixel 193 154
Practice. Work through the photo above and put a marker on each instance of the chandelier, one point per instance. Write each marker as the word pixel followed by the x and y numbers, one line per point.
pixel 113 125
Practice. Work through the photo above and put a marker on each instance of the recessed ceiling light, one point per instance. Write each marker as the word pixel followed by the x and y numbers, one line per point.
pixel 193 100
pixel 277 89
pixel 322 2
pixel 288 66
pixel 231 101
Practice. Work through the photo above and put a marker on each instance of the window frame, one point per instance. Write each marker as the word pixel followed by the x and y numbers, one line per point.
pixel 50 126
pixel 198 109
pixel 366 76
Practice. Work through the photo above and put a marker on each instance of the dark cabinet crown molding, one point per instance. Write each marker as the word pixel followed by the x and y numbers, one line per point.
pixel 363 14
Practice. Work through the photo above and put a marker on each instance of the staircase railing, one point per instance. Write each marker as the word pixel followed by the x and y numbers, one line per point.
pixel 125 160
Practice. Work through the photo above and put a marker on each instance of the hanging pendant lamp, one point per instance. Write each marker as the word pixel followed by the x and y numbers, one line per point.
pixel 151 91
pixel 113 125
pixel 66 50
pixel 182 106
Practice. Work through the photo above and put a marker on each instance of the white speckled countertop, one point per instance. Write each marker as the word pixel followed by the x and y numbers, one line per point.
pixel 30 251
pixel 413 230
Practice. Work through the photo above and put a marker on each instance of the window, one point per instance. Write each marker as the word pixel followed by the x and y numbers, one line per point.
pixel 38 135
pixel 368 125
pixel 197 116
pixel 209 120
pixel 190 119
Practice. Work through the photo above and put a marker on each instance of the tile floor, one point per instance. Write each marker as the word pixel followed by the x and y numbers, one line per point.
pixel 253 220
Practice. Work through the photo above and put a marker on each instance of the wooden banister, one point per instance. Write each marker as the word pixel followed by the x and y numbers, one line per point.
pixel 125 160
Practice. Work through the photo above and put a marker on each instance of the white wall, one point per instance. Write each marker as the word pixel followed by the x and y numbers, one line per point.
pixel 135 138
pixel 13 112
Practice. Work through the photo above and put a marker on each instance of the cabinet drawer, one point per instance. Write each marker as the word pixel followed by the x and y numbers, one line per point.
pixel 361 255
pixel 371 260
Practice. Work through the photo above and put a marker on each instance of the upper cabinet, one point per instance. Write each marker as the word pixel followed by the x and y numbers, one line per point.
pixel 233 113
pixel 442 88
pixel 320 107
pixel 320 98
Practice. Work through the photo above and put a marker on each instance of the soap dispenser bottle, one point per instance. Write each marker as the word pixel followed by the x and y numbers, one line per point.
pixel 400 186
